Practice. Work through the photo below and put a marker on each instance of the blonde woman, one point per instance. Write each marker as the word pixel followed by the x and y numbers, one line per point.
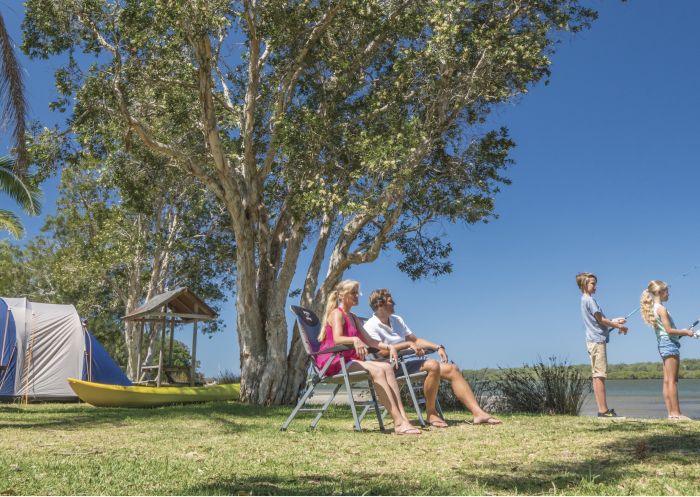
pixel 342 327
pixel 668 338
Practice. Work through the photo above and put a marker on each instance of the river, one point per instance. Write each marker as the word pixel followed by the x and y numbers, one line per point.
pixel 643 398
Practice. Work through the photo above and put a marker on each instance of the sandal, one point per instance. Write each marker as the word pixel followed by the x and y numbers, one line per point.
pixel 682 417
pixel 408 430
pixel 489 421
pixel 438 423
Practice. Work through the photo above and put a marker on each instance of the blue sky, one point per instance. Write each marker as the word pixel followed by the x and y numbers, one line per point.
pixel 606 180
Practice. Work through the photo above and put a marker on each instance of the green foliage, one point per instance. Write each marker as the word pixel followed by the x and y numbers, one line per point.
pixel 689 369
pixel 484 390
pixel 378 116
pixel 545 388
pixel 126 223
pixel 22 190
pixel 226 377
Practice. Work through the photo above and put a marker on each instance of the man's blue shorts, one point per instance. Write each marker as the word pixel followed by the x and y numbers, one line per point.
pixel 413 365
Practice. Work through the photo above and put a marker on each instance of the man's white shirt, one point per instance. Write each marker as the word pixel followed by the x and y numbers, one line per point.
pixel 393 334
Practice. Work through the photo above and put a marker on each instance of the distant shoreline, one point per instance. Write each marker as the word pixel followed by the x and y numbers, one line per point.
pixel 690 369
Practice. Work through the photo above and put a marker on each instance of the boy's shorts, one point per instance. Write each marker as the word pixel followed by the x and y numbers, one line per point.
pixel 599 359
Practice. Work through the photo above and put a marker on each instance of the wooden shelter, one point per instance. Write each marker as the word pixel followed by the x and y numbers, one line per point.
pixel 179 306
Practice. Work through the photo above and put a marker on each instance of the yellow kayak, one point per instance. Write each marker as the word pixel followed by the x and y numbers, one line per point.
pixel 104 395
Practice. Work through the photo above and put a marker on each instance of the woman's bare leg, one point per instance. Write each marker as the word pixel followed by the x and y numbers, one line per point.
pixel 388 398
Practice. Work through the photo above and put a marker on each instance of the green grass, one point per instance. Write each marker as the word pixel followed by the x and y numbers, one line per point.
pixel 229 448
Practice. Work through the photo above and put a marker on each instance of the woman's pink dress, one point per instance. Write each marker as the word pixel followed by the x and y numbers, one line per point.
pixel 349 330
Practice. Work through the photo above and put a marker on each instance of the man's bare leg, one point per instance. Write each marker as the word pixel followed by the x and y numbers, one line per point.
pixel 464 393
pixel 431 385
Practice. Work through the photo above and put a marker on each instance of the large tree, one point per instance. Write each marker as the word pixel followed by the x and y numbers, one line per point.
pixel 343 126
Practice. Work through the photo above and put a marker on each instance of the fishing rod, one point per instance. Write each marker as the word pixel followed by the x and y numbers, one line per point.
pixel 626 318
pixel 683 275
pixel 696 333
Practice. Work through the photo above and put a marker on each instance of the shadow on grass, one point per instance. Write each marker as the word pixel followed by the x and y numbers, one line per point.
pixel 681 448
pixel 75 416
pixel 81 415
pixel 318 484
pixel 677 445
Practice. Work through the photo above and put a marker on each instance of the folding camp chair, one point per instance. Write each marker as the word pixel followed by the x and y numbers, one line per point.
pixel 309 328
pixel 402 375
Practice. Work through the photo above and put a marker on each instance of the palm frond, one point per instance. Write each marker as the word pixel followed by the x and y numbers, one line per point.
pixel 13 105
pixel 28 198
pixel 10 222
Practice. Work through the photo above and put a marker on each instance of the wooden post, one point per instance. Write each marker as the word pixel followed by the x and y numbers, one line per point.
pixel 160 355
pixel 193 366
pixel 138 355
pixel 172 338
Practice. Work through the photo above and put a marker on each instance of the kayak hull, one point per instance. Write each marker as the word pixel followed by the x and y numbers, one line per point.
pixel 104 395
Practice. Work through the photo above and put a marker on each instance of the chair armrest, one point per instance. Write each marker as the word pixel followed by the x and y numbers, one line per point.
pixel 409 353
pixel 343 348
pixel 337 348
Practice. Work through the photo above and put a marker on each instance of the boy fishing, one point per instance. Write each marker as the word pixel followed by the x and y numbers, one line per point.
pixel 597 332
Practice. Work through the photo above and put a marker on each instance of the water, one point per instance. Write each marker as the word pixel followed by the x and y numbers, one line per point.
pixel 643 398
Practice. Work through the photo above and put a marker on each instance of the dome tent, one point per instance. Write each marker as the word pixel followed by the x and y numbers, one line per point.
pixel 42 345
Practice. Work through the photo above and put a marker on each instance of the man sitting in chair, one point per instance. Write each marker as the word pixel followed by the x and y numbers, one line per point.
pixel 387 327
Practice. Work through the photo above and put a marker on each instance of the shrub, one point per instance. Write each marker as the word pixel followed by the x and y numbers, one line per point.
pixel 547 388
pixel 483 388
pixel 226 376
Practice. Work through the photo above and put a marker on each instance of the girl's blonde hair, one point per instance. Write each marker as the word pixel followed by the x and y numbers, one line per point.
pixel 340 289
pixel 646 301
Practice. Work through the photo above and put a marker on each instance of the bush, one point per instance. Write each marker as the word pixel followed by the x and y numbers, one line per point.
pixel 482 387
pixel 546 388
pixel 225 377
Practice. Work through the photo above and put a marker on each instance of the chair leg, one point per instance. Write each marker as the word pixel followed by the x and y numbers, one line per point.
pixel 439 409
pixel 299 405
pixel 409 384
pixel 377 411
pixel 324 408
pixel 351 399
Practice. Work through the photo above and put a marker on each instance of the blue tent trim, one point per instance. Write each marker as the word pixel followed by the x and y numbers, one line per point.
pixel 8 352
pixel 99 367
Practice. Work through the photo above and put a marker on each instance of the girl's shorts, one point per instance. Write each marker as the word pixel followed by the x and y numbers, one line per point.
pixel 668 347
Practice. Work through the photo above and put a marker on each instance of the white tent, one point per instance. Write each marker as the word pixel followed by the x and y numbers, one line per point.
pixel 42 346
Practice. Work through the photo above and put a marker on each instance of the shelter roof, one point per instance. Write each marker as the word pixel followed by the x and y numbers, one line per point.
pixel 181 303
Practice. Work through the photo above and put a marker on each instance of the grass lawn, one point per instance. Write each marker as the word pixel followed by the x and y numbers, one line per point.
pixel 229 448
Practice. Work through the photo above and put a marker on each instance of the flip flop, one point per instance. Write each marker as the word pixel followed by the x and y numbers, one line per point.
pixel 489 421
pixel 411 430
pixel 438 424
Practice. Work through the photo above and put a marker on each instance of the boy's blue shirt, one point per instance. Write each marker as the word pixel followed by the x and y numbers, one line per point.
pixel 595 332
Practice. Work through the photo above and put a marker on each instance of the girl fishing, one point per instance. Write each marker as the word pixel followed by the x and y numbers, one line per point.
pixel 668 338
